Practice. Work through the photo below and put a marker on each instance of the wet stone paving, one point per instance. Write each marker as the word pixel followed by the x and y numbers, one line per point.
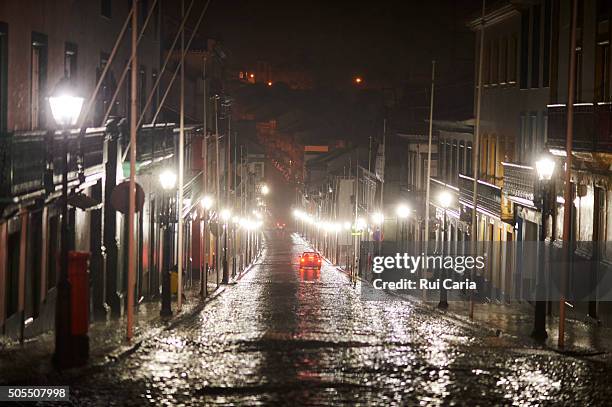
pixel 285 336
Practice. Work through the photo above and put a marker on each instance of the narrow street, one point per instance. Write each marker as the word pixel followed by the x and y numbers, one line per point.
pixel 281 335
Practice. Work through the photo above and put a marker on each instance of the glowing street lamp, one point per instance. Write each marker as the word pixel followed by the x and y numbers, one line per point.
pixel 66 106
pixel 402 211
pixel 445 199
pixel 265 189
pixel 226 214
pixel 545 168
pixel 358 80
pixel 167 179
pixel 378 218
pixel 206 202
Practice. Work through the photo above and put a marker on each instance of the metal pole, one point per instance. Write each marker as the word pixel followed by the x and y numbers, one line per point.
pixel 181 169
pixel 129 63
pixel 217 186
pixel 539 323
pixel 476 146
pixel 567 192
pixel 166 299
pixel 204 256
pixel 429 142
pixel 132 193
pixel 63 318
pixel 443 304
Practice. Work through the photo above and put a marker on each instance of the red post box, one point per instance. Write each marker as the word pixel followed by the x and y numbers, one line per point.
pixel 79 287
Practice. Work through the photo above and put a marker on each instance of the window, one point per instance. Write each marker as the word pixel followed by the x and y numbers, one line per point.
pixel 106 8
pixel 38 80
pixel 143 12
pixel 469 156
pixel 154 101
pixel 494 62
pixel 462 168
pixel 578 79
pixel 503 61
pixel 142 89
pixel 455 163
pixel 486 75
pixel 106 92
pixel 3 76
pixel 602 54
pixel 547 39
pixel 524 72
pixel 70 61
pixel 535 47
pixel 512 59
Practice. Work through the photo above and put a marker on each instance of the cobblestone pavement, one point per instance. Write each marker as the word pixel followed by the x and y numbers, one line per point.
pixel 281 335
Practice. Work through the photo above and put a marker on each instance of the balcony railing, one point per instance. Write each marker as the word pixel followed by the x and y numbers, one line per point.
pixel 489 198
pixel 31 161
pixel 519 183
pixel 592 127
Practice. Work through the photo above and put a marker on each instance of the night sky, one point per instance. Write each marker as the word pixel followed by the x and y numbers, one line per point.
pixel 387 42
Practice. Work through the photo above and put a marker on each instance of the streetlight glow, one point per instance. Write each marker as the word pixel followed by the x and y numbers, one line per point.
pixel 445 199
pixel 378 218
pixel 206 202
pixel 226 214
pixel 402 211
pixel 265 189
pixel 65 104
pixel 167 179
pixel 545 168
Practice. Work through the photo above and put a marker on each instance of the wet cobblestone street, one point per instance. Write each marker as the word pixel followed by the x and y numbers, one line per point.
pixel 281 335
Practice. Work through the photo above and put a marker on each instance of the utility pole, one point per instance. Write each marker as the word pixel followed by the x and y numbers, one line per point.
pixel 217 187
pixel 476 146
pixel 429 141
pixel 203 256
pixel 567 191
pixel 181 170
pixel 132 192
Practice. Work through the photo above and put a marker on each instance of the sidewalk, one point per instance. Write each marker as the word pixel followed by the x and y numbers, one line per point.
pixel 583 337
pixel 21 363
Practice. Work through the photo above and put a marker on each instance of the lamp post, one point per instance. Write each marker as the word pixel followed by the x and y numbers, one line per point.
pixel 167 179
pixel 65 107
pixel 402 211
pixel 445 199
pixel 545 167
pixel 206 203
pixel 226 214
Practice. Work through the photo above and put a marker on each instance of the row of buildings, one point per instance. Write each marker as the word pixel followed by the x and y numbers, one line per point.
pixel 42 42
pixel 526 60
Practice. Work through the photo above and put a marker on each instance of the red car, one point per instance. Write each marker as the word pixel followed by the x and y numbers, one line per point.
pixel 310 260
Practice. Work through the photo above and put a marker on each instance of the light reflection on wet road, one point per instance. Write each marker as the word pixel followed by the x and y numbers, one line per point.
pixel 285 336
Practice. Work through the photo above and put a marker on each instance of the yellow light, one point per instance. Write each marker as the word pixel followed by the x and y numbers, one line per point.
pixel 358 80
pixel 251 75
pixel 269 83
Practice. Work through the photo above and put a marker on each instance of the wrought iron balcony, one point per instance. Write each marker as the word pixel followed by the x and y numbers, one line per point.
pixel 519 183
pixel 489 198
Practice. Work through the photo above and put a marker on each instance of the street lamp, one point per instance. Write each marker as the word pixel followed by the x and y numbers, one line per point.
pixel 167 180
pixel 206 203
pixel 226 215
pixel 66 107
pixel 265 189
pixel 445 199
pixel 378 218
pixel 545 167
